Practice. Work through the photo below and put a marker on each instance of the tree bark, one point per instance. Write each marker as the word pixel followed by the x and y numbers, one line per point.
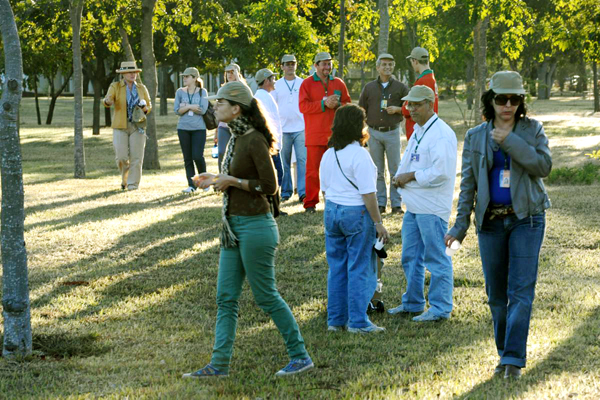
pixel 480 59
pixel 37 101
pixel 75 10
pixel 596 89
pixel 384 26
pixel 54 96
pixel 15 283
pixel 164 89
pixel 545 78
pixel 470 84
pixel 151 82
pixel 341 40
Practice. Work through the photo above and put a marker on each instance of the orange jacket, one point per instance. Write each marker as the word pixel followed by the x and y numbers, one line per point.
pixel 428 79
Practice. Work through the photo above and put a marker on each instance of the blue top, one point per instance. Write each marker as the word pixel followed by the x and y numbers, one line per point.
pixel 195 121
pixel 499 195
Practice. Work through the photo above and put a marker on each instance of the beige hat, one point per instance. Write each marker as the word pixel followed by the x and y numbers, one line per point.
pixel 263 74
pixel 128 66
pixel 322 56
pixel 288 58
pixel 234 91
pixel 385 56
pixel 420 93
pixel 507 82
pixel 232 66
pixel 191 71
pixel 419 53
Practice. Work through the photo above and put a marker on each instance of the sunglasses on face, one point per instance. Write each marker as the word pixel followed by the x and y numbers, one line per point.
pixel 502 99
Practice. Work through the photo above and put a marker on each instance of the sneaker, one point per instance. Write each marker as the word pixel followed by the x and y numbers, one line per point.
pixel 189 190
pixel 400 310
pixel 285 198
pixel 369 329
pixel 296 366
pixel 207 372
pixel 310 210
pixel 397 210
pixel 336 328
pixel 301 198
pixel 382 209
pixel 428 316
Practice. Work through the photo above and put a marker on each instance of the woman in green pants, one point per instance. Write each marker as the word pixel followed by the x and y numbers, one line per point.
pixel 249 235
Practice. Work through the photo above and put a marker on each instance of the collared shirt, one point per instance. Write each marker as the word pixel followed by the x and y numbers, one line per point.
pixel 431 154
pixel 270 107
pixel 375 96
pixel 193 121
pixel 286 95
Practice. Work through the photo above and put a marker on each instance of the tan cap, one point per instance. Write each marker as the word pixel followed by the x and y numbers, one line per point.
pixel 507 82
pixel 385 56
pixel 128 66
pixel 263 74
pixel 191 71
pixel 420 93
pixel 234 91
pixel 419 53
pixel 288 58
pixel 232 66
pixel 322 56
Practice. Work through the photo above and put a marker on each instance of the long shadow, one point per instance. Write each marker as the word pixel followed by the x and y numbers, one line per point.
pixel 63 203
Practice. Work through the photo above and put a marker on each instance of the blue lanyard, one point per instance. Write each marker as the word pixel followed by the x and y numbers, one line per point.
pixel 192 96
pixel 422 136
pixel 288 86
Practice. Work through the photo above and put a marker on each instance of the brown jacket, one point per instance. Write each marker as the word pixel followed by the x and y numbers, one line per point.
pixel 372 95
pixel 118 92
pixel 252 161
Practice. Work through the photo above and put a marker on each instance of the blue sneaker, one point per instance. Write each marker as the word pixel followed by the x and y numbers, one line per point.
pixel 296 366
pixel 207 372
pixel 336 328
pixel 369 329
pixel 429 316
pixel 400 310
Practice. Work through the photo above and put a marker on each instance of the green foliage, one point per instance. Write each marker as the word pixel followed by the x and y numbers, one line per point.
pixel 586 175
pixel 594 154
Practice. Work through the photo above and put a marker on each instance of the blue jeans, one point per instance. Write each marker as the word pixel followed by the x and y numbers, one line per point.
pixel 192 146
pixel 510 249
pixel 277 163
pixel 352 277
pixel 296 140
pixel 423 246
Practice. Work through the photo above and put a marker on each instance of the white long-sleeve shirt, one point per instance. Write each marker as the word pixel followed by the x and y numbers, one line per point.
pixel 431 153
pixel 269 105
pixel 287 94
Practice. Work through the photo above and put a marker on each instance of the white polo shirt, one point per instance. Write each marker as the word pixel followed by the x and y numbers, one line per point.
pixel 431 154
pixel 357 164
pixel 286 95
pixel 272 111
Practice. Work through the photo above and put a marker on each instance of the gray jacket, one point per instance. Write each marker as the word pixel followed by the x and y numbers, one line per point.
pixel 531 161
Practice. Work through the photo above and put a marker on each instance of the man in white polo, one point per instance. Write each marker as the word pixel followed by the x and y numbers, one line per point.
pixel 426 180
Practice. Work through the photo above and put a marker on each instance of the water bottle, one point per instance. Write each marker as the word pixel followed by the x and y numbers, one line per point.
pixel 215 151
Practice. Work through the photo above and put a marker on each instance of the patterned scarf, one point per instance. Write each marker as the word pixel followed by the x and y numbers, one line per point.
pixel 132 101
pixel 238 127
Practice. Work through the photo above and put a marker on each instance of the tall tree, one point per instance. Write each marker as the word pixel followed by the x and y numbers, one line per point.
pixel 75 10
pixel 341 60
pixel 384 26
pixel 479 56
pixel 15 283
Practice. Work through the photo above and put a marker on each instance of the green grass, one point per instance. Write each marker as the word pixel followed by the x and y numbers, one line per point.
pixel 123 288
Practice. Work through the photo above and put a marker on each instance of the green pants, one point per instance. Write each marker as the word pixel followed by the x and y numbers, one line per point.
pixel 254 258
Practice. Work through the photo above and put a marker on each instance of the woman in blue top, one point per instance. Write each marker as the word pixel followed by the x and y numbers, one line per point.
pixel 504 160
pixel 191 102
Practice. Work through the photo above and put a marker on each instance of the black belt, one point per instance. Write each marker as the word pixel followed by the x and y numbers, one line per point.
pixel 384 128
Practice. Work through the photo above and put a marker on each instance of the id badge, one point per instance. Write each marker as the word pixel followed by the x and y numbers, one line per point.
pixel 383 104
pixel 414 157
pixel 190 113
pixel 505 178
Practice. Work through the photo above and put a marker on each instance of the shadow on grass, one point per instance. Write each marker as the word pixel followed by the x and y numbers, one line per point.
pixel 67 345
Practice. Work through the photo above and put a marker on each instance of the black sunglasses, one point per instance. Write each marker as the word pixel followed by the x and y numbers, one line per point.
pixel 502 99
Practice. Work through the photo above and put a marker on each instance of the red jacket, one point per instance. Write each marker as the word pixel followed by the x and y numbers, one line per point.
pixel 317 117
pixel 428 79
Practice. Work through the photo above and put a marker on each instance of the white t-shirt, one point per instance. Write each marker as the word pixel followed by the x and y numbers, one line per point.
pixel 431 154
pixel 286 95
pixel 272 111
pixel 357 164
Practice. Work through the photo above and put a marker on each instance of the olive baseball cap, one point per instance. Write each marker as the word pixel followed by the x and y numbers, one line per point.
pixel 420 93
pixel 191 71
pixel 288 58
pixel 507 82
pixel 234 91
pixel 385 56
pixel 419 53
pixel 232 66
pixel 263 74
pixel 322 56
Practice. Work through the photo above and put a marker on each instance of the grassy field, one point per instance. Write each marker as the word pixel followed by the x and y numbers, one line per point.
pixel 123 288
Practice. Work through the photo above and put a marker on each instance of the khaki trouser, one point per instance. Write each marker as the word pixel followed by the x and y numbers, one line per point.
pixel 129 153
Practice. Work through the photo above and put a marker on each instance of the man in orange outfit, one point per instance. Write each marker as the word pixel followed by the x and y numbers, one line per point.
pixel 419 60
pixel 320 96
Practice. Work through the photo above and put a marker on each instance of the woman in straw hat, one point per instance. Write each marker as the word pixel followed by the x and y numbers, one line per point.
pixel 249 234
pixel 503 163
pixel 132 102
pixel 190 104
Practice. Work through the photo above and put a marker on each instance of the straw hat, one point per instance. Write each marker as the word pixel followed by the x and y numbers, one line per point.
pixel 128 66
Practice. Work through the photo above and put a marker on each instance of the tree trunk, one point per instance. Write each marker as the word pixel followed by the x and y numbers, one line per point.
pixel 164 89
pixel 341 41
pixel 545 78
pixel 15 283
pixel 37 101
pixel 75 10
pixel 470 84
pixel 384 26
pixel 480 54
pixel 582 83
pixel 54 96
pixel 151 82
pixel 596 89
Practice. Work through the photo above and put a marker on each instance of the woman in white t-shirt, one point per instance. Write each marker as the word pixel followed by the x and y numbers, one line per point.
pixel 352 222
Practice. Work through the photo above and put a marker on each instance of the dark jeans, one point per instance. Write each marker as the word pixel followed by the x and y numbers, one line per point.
pixel 223 135
pixel 278 167
pixel 192 146
pixel 510 249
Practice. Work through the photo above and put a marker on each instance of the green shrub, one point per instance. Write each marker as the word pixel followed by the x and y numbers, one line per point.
pixel 586 175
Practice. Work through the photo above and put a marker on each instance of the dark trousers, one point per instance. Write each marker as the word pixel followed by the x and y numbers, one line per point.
pixel 192 146
pixel 278 168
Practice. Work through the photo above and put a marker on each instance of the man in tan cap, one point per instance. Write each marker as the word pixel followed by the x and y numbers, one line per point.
pixel 320 96
pixel 287 95
pixel 419 60
pixel 426 179
pixel 382 100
